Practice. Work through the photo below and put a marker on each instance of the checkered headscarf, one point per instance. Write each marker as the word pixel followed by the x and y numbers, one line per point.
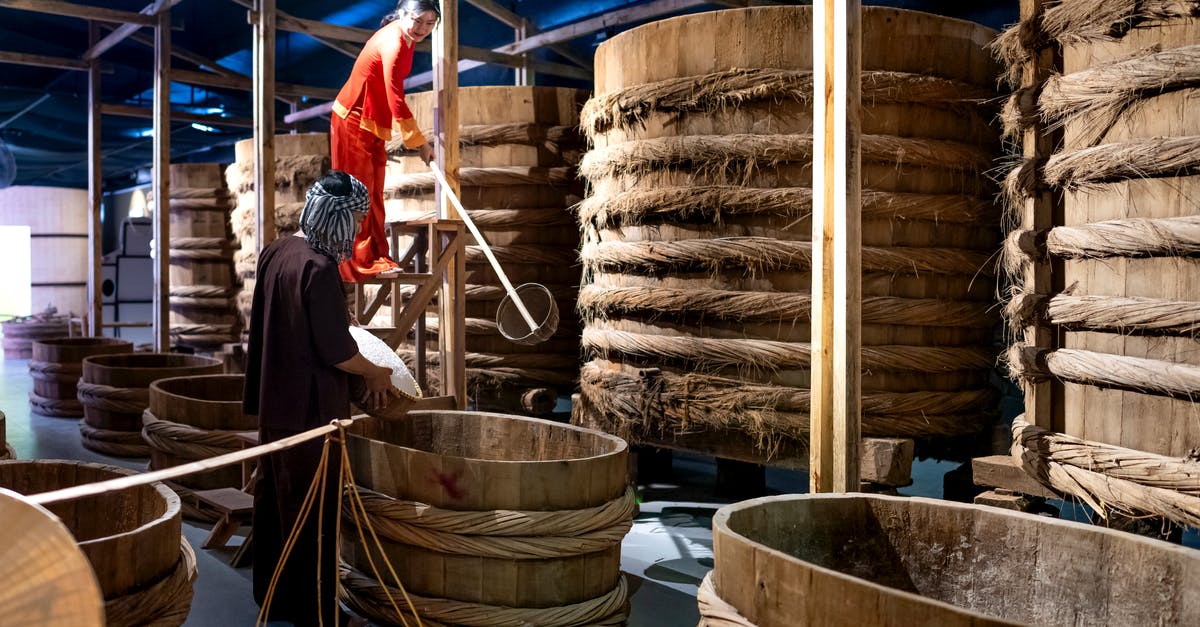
pixel 328 221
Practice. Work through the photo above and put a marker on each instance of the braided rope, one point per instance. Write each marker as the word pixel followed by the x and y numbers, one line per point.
pixel 201 303
pixel 201 291
pixel 504 534
pixel 114 399
pixel 165 603
pixel 55 407
pixel 715 611
pixel 54 371
pixel 115 443
pixel 368 597
pixel 187 441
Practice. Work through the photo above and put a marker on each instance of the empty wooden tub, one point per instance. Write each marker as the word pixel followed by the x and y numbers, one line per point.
pixel 131 537
pixel 57 365
pixel 115 390
pixel 20 333
pixel 192 418
pixel 876 560
pixel 504 516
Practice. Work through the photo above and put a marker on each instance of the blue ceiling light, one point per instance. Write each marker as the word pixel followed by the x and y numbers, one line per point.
pixel 204 127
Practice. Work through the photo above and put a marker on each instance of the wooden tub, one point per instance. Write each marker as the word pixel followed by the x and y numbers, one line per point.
pixel 491 476
pixel 878 560
pixel 132 538
pixel 57 365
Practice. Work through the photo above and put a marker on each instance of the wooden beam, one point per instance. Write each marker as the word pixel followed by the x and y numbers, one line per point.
pixel 123 31
pixel 332 35
pixel 264 121
pixel 69 9
pixel 191 57
pixel 29 107
pixel 452 302
pixel 95 296
pixel 59 63
pixel 161 184
pixel 242 83
pixel 835 412
pixel 131 111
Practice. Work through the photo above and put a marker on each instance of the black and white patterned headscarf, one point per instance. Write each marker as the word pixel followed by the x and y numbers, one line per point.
pixel 328 221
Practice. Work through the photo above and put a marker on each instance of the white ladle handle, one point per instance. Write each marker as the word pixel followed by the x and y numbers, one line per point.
pixel 466 218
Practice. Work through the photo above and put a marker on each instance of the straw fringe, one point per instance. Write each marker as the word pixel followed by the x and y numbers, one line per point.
pixel 1109 477
pixel 1133 237
pixel 1091 168
pixel 759 254
pixel 1105 313
pixel 556 139
pixel 601 302
pixel 297 171
pixel 715 611
pixel 1103 370
pixel 410 185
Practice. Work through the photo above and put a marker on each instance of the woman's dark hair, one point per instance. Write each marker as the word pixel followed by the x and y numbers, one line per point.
pixel 411 6
pixel 337 183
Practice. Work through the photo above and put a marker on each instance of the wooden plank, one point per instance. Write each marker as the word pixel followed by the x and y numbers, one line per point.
pixel 247 84
pixel 95 296
pixel 191 57
pixel 263 51
pixel 123 31
pixel 70 9
pixel 1002 471
pixel 59 63
pixel 161 184
pixel 837 245
pixel 518 23
pixel 146 112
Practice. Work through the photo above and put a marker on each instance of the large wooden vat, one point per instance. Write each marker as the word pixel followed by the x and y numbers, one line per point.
pixel 300 160
pixel 115 390
pixel 20 333
pixel 203 288
pixel 56 366
pixel 132 538
pixel 1107 305
pixel 837 559
pixel 196 417
pixel 696 234
pixel 57 218
pixel 520 146
pixel 495 493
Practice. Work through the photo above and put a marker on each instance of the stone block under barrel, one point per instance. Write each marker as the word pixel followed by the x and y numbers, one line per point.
pixel 1106 255
pixel 514 518
pixel 57 365
pixel 132 537
pixel 519 149
pixel 857 560
pixel 115 390
pixel 697 233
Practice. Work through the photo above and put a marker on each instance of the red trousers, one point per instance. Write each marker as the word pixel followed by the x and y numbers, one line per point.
pixel 364 156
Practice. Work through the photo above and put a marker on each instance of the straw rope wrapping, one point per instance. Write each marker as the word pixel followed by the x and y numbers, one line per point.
pixel 408 185
pixel 540 254
pixel 758 254
pixel 200 193
pixel 597 302
pixel 1070 22
pixel 186 441
pixel 771 355
pixel 562 374
pixel 1092 100
pixel 165 603
pixel 54 371
pixel 367 596
pixel 211 203
pixel 711 203
pixel 194 248
pixel 1129 237
pixel 1105 313
pixel 1091 168
pixel 629 107
pixel 558 140
pixel 501 534
pixel 287 220
pixel 297 171
pixel 1103 370
pixel 114 399
pixel 715 611
pixel 116 443
pixel 1110 477
pixel 737 156
pixel 55 407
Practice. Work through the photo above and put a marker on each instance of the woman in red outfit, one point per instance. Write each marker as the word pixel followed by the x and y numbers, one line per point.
pixel 369 108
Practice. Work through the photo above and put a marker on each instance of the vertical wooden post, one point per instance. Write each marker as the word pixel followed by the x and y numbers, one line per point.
pixel 95 297
pixel 837 245
pixel 264 121
pixel 1038 214
pixel 524 74
pixel 161 184
pixel 452 304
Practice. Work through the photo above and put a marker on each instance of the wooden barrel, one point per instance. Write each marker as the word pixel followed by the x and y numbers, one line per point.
pixel 132 538
pixel 1107 302
pixel 57 218
pixel 203 287
pixel 20 333
pixel 300 160
pixel 520 146
pixel 470 473
pixel 114 391
pixel 838 559
pixel 56 366
pixel 697 236
pixel 193 418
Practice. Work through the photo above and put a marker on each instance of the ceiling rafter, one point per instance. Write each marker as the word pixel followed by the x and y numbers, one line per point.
pixel 70 9
pixel 123 31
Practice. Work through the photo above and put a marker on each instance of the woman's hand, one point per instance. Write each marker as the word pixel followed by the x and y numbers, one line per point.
pixel 426 152
pixel 379 387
